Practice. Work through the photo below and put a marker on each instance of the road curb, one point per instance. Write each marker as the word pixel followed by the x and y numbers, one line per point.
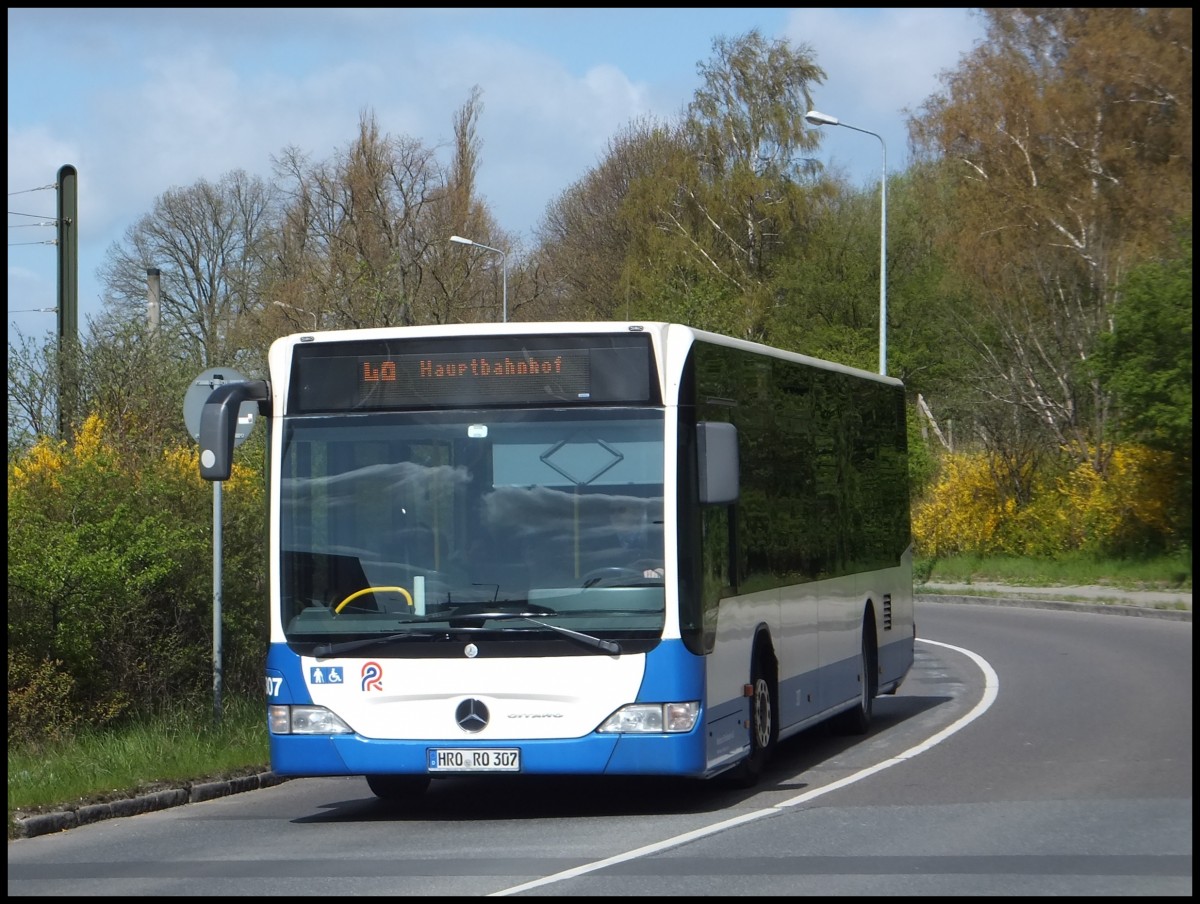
pixel 188 793
pixel 1061 605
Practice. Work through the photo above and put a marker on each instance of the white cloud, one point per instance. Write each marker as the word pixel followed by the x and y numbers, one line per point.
pixel 142 101
pixel 877 66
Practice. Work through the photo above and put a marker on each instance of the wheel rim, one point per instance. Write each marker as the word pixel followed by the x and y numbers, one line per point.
pixel 762 714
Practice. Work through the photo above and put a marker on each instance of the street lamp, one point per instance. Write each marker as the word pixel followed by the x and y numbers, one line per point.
pixel 292 307
pixel 503 269
pixel 823 119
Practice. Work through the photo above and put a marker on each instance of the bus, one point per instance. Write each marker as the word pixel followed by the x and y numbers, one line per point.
pixel 445 596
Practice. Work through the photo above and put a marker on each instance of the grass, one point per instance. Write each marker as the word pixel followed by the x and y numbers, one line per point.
pixel 1164 573
pixel 169 751
pixel 179 748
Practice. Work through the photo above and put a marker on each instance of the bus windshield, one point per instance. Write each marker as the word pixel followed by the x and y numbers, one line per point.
pixel 504 521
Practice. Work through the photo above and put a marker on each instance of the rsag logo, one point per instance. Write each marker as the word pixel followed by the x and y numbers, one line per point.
pixel 372 676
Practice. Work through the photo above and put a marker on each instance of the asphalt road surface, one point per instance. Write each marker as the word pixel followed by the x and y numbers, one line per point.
pixel 1030 752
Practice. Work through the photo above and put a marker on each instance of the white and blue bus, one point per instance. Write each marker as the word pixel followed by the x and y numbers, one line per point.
pixel 445 594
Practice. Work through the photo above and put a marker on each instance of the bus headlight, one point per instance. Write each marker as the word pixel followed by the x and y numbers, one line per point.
pixel 304 720
pixel 652 718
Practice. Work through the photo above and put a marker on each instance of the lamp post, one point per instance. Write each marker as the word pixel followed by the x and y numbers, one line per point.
pixel 503 270
pixel 823 119
pixel 291 307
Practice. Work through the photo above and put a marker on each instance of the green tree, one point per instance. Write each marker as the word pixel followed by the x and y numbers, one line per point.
pixel 135 382
pixel 1147 362
pixel 586 234
pixel 686 221
pixel 721 224
pixel 826 288
pixel 1147 358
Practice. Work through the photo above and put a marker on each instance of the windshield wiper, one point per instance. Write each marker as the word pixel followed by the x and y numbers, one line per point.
pixel 594 643
pixel 325 650
pixel 463 622
pixel 474 608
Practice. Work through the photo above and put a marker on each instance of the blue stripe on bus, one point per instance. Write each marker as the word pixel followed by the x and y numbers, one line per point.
pixel 672 674
pixel 596 754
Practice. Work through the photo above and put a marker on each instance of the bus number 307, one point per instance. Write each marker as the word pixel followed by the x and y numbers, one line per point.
pixel 474 760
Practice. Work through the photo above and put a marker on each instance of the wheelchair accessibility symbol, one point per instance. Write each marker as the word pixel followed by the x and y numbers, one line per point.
pixel 325 674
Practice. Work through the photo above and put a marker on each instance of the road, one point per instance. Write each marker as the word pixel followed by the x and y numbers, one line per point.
pixel 1030 752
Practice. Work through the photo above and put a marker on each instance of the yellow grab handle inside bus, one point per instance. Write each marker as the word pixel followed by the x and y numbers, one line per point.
pixel 408 596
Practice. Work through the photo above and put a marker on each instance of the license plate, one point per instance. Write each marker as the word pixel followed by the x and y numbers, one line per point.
pixel 475 759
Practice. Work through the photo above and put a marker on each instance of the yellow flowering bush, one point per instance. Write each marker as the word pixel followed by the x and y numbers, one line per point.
pixel 1075 509
pixel 1120 510
pixel 962 511
pixel 44 463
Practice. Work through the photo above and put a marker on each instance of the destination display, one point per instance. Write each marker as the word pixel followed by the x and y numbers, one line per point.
pixel 395 379
pixel 405 374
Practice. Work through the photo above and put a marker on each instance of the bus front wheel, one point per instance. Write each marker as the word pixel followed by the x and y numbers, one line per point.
pixel 763 730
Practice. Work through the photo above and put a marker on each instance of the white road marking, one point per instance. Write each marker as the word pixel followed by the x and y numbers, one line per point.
pixel 991 687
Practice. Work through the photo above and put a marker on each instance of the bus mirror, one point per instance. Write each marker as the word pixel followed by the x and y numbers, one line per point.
pixel 218 424
pixel 716 445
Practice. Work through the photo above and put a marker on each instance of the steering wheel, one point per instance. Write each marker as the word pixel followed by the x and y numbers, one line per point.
pixel 613 573
pixel 340 606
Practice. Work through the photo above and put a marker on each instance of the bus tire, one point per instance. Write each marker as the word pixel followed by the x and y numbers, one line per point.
pixel 398 787
pixel 763 727
pixel 857 721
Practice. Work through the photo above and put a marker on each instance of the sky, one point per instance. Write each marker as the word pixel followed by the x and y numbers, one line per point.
pixel 144 101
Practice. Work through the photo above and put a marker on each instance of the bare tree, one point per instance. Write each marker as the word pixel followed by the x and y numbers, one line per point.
pixel 365 238
pixel 466 284
pixel 1071 129
pixel 208 242
pixel 32 395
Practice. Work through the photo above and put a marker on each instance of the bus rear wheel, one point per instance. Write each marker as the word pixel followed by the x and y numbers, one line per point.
pixel 857 721
pixel 398 787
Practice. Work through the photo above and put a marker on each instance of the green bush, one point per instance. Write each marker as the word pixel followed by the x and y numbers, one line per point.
pixel 40 701
pixel 110 582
